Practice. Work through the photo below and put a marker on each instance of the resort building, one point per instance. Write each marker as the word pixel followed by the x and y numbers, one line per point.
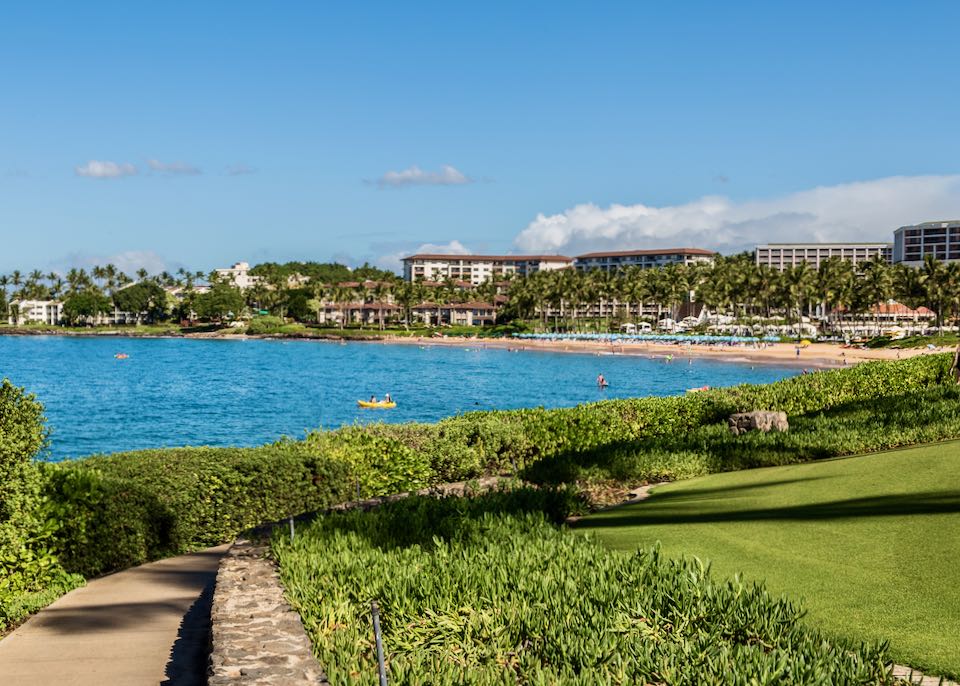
pixel 782 256
pixel 939 239
pixel 461 314
pixel 622 259
pixel 238 275
pixel 477 269
pixel 35 312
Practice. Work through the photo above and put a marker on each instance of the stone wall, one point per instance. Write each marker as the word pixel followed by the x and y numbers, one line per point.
pixel 257 639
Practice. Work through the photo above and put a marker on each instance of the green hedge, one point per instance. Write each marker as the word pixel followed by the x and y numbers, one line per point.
pixel 512 441
pixel 30 575
pixel 120 510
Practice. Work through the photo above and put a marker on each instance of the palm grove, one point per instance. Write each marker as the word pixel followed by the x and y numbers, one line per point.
pixel 733 285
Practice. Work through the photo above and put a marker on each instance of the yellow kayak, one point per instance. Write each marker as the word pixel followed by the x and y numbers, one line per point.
pixel 379 405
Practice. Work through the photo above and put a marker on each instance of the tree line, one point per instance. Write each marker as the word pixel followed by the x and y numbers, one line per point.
pixel 733 285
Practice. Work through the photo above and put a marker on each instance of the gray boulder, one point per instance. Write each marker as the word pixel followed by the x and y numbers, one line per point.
pixel 758 420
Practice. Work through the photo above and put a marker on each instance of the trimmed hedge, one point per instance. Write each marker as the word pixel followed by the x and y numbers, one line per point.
pixel 30 575
pixel 120 510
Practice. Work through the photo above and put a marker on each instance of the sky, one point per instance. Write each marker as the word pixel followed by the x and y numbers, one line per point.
pixel 185 134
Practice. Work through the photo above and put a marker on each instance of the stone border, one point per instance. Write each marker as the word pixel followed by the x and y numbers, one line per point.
pixel 256 637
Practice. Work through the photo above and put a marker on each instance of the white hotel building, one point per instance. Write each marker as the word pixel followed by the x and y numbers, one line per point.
pixel 476 269
pixel 622 259
pixel 35 312
pixel 940 239
pixel 782 256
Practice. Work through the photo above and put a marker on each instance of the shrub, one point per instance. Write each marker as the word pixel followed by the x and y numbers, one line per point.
pixel 124 509
pixel 30 575
pixel 267 324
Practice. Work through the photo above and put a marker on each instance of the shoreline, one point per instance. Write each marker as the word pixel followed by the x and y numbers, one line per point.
pixel 815 355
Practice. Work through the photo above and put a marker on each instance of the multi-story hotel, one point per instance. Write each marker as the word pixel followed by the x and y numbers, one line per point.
pixel 476 269
pixel 940 239
pixel 35 311
pixel 621 259
pixel 238 275
pixel 782 256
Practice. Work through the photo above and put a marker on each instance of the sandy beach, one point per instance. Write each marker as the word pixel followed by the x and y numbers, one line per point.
pixel 815 355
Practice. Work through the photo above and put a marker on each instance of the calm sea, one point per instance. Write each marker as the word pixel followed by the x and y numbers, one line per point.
pixel 172 392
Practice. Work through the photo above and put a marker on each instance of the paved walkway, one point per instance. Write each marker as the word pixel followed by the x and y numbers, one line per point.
pixel 141 627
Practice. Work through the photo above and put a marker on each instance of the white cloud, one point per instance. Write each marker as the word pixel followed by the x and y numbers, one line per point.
pixel 860 211
pixel 173 168
pixel 102 169
pixel 394 260
pixel 415 176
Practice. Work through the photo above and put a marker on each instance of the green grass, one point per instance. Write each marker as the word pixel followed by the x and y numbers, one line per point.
pixel 871 544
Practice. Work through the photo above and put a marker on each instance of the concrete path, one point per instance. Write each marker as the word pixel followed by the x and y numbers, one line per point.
pixel 145 626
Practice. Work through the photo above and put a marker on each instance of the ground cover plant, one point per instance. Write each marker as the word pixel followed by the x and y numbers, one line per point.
pixel 869 543
pixel 490 591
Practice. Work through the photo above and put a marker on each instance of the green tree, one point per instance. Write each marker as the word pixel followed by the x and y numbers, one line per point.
pixel 81 306
pixel 145 299
pixel 220 302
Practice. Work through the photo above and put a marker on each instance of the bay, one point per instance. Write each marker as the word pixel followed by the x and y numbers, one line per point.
pixel 174 391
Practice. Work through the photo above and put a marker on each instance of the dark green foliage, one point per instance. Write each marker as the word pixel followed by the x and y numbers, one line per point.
pixel 29 573
pixel 127 508
pixel 265 324
pixel 220 302
pixel 146 299
pixel 486 591
pixel 321 272
pixel 83 305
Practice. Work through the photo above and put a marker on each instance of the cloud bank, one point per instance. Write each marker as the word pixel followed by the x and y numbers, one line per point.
pixel 861 211
pixel 103 169
pixel 415 176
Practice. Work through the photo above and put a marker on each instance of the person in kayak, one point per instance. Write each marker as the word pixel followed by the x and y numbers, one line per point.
pixel 387 398
pixel 373 398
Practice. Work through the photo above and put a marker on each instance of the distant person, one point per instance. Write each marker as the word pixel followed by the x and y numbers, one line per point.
pixel 373 398
pixel 387 398
pixel 601 382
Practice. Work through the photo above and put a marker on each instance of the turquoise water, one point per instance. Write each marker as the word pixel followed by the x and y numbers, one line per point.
pixel 173 392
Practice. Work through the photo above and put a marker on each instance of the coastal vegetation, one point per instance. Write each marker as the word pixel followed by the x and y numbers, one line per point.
pixel 91 516
pixel 836 296
pixel 868 542
pixel 489 591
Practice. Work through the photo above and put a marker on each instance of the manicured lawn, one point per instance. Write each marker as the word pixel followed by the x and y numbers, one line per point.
pixel 870 543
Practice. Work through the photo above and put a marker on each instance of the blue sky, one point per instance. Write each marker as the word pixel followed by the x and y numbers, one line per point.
pixel 197 134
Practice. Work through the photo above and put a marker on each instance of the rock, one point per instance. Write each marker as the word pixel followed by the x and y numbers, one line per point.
pixel 758 420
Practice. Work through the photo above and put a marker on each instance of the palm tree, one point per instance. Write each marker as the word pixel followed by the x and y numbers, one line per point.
pixel 800 286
